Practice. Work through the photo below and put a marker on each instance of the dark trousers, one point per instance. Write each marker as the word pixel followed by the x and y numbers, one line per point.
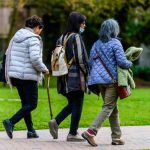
pixel 28 92
pixel 74 107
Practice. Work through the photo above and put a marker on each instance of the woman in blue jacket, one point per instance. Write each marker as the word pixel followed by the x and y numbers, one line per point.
pixel 110 50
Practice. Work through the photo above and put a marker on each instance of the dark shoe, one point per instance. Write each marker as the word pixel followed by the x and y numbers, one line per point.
pixel 32 134
pixel 118 142
pixel 89 138
pixel 53 128
pixel 8 127
pixel 74 138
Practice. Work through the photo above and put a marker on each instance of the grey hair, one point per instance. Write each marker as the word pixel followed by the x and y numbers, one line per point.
pixel 109 29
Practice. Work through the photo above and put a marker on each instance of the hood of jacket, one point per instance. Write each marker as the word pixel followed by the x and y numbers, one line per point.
pixel 133 53
pixel 23 34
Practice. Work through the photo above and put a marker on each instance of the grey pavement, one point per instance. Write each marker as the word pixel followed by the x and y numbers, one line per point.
pixel 136 138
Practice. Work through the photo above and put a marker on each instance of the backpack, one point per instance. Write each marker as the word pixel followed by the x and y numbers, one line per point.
pixel 59 64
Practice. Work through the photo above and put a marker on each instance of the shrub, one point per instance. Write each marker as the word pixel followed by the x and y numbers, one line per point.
pixel 142 72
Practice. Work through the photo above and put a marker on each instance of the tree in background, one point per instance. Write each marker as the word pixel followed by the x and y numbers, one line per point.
pixel 132 15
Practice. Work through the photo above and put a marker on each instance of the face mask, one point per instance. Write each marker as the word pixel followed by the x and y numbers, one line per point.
pixel 81 30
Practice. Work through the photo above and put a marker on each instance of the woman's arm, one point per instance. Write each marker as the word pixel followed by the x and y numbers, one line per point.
pixel 80 54
pixel 35 55
pixel 120 56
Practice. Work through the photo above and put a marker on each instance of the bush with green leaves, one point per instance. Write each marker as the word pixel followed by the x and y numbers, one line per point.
pixel 141 72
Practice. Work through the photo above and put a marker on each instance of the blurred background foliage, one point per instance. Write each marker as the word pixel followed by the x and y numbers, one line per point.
pixel 133 17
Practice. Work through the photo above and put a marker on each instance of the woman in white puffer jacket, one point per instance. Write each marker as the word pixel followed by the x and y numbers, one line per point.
pixel 24 68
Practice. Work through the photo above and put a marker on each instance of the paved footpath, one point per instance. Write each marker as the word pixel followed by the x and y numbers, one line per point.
pixel 136 138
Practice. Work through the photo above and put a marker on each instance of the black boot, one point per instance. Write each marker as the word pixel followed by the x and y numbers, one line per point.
pixel 32 134
pixel 8 127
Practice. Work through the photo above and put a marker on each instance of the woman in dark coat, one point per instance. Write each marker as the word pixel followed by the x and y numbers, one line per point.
pixel 72 85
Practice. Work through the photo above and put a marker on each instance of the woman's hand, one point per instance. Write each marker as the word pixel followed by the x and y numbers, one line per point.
pixel 46 72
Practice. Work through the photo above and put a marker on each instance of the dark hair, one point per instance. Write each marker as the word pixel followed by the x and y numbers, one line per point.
pixel 109 29
pixel 74 21
pixel 33 22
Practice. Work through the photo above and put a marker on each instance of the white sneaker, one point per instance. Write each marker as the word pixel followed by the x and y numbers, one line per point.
pixel 53 128
pixel 75 138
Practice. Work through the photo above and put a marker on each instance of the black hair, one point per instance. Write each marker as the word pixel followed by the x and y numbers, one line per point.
pixel 33 22
pixel 74 21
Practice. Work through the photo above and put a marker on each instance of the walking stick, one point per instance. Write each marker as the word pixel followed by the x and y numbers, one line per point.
pixel 48 94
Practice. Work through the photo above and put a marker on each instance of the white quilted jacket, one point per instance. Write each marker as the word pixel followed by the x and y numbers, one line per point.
pixel 26 56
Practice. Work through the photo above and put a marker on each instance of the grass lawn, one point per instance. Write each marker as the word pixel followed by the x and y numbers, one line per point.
pixel 134 110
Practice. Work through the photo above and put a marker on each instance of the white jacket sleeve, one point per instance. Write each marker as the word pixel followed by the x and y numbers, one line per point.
pixel 35 53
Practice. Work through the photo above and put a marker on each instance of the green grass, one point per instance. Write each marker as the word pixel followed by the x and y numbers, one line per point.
pixel 134 110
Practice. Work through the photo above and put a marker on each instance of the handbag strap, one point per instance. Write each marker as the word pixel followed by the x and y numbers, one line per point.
pixel 98 56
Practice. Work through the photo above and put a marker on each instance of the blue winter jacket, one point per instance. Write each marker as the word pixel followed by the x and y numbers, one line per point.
pixel 112 54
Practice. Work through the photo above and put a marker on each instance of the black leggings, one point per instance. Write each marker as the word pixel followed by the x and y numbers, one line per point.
pixel 28 92
pixel 74 107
